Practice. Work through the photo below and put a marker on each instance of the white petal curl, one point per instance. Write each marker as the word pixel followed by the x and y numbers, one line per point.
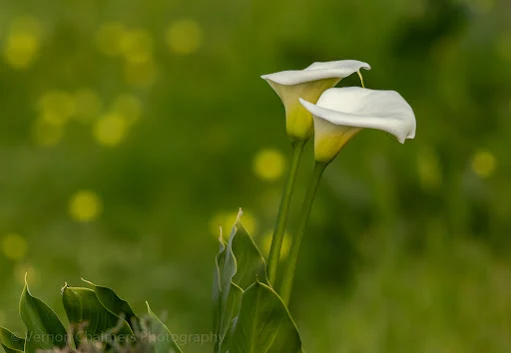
pixel 365 108
pixel 317 71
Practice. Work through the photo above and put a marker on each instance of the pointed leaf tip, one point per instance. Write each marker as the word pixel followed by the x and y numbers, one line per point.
pixel 44 329
pixel 88 282
pixel 158 329
pixel 240 213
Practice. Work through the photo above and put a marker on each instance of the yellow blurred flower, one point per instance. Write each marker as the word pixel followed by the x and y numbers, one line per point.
pixel 108 38
pixel 14 246
pixel 127 105
pixel 137 46
pixel 22 43
pixel 269 164
pixel 141 74
pixel 85 206
pixel 46 134
pixel 111 129
pixel 484 164
pixel 56 107
pixel 184 36
pixel 88 105
pixel 226 220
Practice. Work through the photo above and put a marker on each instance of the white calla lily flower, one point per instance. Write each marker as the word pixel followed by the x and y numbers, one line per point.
pixel 340 113
pixel 309 84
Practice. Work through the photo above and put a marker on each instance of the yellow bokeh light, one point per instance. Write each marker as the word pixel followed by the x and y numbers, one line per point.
pixel 45 134
pixel 87 105
pixel 184 36
pixel 129 106
pixel 269 164
pixel 22 43
pixel 266 244
pixel 20 50
pixel 109 38
pixel 226 220
pixel 484 164
pixel 111 129
pixel 14 246
pixel 136 46
pixel 56 107
pixel 141 74
pixel 85 206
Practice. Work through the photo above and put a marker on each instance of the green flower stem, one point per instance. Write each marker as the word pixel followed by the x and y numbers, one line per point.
pixel 280 226
pixel 287 282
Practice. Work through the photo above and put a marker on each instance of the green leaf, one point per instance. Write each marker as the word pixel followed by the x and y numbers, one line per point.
pixel 237 266
pixel 90 318
pixel 264 324
pixel 44 329
pixel 114 303
pixel 232 309
pixel 11 342
pixel 217 287
pixel 161 340
pixel 224 301
pixel 250 262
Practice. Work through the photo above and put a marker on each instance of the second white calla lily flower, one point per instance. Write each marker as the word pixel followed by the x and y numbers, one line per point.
pixel 309 84
pixel 340 113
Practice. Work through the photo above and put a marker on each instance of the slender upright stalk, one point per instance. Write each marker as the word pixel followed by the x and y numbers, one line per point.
pixel 287 282
pixel 280 226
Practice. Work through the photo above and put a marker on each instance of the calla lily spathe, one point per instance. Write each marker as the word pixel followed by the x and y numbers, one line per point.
pixel 308 84
pixel 340 113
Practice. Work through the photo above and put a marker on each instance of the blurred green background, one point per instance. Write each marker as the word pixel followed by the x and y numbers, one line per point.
pixel 129 130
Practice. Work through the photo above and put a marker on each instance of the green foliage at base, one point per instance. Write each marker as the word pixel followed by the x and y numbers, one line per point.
pixel 249 315
pixel 98 320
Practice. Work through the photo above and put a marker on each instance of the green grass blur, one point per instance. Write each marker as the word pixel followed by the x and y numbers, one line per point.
pixel 129 130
